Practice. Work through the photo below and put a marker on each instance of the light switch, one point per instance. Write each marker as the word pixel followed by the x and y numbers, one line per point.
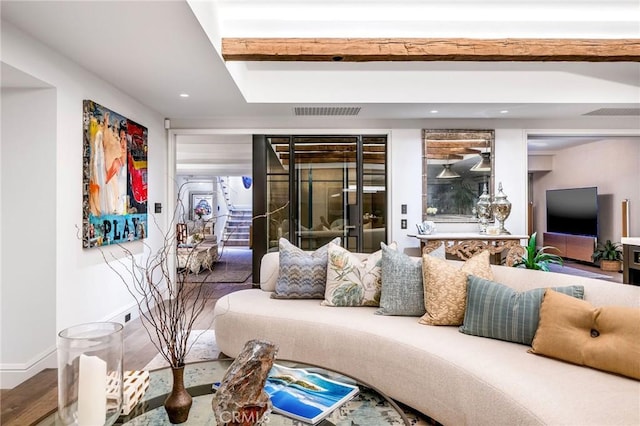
pixel 403 208
pixel 403 224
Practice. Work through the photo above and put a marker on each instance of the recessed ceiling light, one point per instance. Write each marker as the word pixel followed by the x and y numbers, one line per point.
pixel 184 95
pixel 504 111
pixel 434 111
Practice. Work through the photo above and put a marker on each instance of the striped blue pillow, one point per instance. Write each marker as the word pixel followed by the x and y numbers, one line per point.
pixel 500 312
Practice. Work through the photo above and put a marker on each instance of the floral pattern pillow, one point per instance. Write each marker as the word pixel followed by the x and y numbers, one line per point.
pixel 351 280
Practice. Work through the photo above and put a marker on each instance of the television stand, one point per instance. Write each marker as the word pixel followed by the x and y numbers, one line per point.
pixel 577 247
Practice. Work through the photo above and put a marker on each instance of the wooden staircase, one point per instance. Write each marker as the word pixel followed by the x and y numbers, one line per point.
pixel 236 231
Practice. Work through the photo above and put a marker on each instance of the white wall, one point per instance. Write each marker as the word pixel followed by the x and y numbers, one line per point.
pixel 86 289
pixel 240 196
pixel 28 226
pixel 611 165
pixel 511 169
pixel 405 185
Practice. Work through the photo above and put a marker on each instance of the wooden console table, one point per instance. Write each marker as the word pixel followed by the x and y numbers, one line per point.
pixel 464 245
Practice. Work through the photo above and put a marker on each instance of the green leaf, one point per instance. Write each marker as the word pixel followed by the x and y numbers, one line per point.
pixel 538 259
pixel 348 295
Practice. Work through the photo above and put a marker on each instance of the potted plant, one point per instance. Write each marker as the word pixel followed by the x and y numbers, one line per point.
pixel 609 254
pixel 537 259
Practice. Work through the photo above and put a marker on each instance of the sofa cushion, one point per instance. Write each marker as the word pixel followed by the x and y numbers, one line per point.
pixel 445 287
pixel 605 338
pixel 302 275
pixel 351 280
pixel 402 290
pixel 500 312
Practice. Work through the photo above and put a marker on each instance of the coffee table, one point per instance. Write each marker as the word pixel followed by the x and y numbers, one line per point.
pixel 369 407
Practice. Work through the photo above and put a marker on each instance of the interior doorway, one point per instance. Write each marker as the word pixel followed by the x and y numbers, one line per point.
pixel 215 170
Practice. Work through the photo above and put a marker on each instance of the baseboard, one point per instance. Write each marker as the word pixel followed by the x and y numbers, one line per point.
pixel 11 375
pixel 119 316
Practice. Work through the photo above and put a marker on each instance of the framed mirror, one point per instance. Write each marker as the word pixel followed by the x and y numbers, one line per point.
pixel 456 166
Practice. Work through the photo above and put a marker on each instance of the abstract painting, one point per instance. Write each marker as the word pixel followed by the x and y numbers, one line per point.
pixel 114 177
pixel 201 205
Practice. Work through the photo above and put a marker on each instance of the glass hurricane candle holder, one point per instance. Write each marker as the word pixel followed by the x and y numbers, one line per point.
pixel 90 374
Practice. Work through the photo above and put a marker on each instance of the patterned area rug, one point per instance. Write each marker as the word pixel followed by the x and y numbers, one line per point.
pixel 205 348
pixel 234 266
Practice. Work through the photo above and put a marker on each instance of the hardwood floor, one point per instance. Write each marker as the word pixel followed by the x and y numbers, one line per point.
pixel 31 401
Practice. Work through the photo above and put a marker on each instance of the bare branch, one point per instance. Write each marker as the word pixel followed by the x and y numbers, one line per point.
pixel 168 305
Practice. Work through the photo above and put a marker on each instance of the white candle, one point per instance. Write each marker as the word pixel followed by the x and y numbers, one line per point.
pixel 92 391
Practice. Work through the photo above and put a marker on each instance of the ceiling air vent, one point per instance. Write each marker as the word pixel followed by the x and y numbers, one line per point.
pixel 327 111
pixel 615 111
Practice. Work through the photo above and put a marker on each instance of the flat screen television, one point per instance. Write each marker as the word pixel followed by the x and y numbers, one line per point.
pixel 573 211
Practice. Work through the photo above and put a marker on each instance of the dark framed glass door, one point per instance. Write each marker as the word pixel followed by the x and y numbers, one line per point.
pixel 317 188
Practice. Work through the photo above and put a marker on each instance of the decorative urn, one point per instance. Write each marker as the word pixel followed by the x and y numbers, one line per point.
pixel 483 207
pixel 501 209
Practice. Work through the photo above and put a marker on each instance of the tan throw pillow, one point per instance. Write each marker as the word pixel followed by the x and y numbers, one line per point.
pixel 445 287
pixel 606 338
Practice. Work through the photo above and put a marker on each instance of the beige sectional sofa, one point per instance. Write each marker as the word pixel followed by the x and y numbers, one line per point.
pixel 454 378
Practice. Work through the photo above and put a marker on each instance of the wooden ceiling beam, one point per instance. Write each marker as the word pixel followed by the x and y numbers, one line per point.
pixel 430 49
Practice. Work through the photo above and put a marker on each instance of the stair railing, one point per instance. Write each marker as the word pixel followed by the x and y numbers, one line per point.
pixel 226 191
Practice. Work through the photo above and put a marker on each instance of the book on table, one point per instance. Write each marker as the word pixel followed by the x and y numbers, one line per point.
pixel 305 395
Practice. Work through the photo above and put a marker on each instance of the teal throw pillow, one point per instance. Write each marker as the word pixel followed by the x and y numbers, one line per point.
pixel 500 312
pixel 402 288
pixel 302 275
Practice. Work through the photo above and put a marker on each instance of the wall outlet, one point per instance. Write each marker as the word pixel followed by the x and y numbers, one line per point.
pixel 127 317
pixel 403 224
pixel 403 209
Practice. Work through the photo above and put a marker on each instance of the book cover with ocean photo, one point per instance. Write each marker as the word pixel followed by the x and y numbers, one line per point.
pixel 305 395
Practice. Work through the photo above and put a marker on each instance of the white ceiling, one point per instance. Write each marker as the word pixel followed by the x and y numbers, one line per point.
pixel 155 50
